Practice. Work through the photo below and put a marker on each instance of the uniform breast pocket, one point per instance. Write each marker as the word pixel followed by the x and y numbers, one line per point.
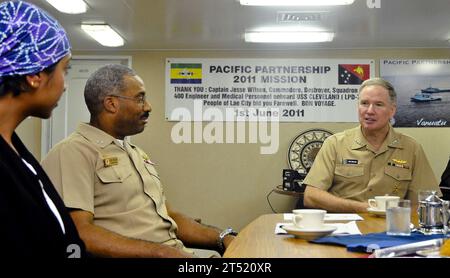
pixel 397 173
pixel 349 171
pixel 400 177
pixel 111 175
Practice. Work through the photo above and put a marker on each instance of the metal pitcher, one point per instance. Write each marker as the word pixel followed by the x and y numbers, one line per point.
pixel 433 214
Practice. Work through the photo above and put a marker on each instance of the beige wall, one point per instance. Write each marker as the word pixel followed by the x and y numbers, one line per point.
pixel 227 184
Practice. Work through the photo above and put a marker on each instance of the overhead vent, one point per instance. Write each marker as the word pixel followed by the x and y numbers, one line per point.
pixel 299 17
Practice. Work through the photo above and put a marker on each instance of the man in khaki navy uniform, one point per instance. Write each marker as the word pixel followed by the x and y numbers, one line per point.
pixel 114 192
pixel 369 160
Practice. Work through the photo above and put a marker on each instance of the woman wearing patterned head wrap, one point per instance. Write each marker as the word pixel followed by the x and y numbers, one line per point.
pixel 34 55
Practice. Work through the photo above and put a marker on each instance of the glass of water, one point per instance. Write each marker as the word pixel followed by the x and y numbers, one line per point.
pixel 398 217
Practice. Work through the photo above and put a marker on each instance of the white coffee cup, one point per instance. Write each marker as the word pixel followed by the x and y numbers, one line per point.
pixel 309 218
pixel 379 203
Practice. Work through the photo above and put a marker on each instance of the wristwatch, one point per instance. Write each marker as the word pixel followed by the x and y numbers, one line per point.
pixel 222 235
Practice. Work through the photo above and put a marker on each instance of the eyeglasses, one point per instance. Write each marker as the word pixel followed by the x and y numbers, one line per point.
pixel 140 99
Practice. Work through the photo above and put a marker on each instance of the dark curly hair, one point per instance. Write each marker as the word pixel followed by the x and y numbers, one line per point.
pixel 18 83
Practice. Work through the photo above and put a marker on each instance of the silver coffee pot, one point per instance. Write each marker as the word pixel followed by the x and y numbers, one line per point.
pixel 433 213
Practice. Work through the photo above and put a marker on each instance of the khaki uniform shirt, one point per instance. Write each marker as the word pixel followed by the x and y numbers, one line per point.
pixel 348 167
pixel 118 185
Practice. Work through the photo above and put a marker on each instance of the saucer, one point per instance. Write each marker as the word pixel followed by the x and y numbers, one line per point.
pixel 377 212
pixel 309 234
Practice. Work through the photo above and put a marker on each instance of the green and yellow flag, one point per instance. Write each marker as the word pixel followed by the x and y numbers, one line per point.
pixel 186 73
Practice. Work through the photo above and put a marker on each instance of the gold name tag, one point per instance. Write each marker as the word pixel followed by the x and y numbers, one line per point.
pixel 110 161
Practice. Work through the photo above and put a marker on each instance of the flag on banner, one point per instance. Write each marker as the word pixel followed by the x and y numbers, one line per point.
pixel 186 73
pixel 353 74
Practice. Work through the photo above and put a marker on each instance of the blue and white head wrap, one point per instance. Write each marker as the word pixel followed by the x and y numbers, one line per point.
pixel 30 39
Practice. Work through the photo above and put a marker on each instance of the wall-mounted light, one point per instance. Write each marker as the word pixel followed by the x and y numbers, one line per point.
pixel 295 2
pixel 103 34
pixel 69 6
pixel 288 37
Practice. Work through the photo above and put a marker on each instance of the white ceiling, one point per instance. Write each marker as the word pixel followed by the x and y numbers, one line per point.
pixel 220 24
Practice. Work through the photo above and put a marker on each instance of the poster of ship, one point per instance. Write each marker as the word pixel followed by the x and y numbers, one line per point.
pixel 423 91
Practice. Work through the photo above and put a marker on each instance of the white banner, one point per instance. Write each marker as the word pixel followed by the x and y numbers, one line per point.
pixel 290 90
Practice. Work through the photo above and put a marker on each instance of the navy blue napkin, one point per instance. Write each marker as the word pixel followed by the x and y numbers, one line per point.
pixel 370 242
